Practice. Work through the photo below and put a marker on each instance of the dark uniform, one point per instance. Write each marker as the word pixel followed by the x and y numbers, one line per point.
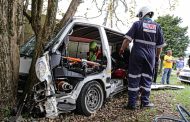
pixel 147 36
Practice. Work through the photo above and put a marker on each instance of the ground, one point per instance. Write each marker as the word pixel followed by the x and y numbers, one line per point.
pixel 165 104
pixel 112 111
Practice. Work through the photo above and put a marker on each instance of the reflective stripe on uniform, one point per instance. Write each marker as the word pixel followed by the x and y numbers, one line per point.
pixel 145 88
pixel 146 75
pixel 134 76
pixel 160 46
pixel 133 89
pixel 145 42
pixel 139 75
pixel 128 37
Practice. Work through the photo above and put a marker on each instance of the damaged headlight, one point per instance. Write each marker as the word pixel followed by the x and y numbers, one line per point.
pixel 41 70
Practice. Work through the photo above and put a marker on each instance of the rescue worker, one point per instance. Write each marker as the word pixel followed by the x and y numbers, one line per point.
pixel 93 51
pixel 147 38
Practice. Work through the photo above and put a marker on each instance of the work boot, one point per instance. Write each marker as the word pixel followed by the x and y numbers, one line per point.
pixel 129 107
pixel 150 105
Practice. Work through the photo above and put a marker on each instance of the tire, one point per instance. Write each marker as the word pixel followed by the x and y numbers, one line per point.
pixel 90 99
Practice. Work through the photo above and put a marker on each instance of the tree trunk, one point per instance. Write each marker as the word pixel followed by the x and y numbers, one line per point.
pixel 45 32
pixel 20 28
pixel 36 14
pixel 32 79
pixel 49 24
pixel 9 53
pixel 42 33
pixel 107 14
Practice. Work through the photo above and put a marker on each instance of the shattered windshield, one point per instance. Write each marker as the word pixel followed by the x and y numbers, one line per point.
pixel 27 49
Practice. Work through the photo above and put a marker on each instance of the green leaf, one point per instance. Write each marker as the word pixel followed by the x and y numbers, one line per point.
pixel 175 35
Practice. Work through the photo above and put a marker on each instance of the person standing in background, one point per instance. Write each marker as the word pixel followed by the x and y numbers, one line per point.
pixel 179 65
pixel 167 64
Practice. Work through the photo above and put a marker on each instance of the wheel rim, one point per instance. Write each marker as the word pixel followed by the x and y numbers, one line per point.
pixel 93 99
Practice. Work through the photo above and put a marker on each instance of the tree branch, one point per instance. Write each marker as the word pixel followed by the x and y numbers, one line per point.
pixel 36 13
pixel 125 5
pixel 69 14
pixel 99 10
pixel 49 24
pixel 91 17
pixel 25 6
pixel 170 5
pixel 106 18
pixel 103 3
pixel 27 16
pixel 117 18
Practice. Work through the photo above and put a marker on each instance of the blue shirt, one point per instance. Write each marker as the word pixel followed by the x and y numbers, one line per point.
pixel 180 64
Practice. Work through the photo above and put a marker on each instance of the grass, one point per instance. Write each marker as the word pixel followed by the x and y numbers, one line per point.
pixel 5 113
pixel 168 99
pixel 181 96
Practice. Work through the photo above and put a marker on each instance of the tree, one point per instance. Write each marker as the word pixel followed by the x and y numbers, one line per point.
pixel 175 35
pixel 10 35
pixel 45 32
pixel 42 33
pixel 119 13
pixel 69 14
pixel 113 7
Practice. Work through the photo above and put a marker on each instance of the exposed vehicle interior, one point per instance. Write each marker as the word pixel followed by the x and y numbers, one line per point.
pixel 80 44
pixel 77 46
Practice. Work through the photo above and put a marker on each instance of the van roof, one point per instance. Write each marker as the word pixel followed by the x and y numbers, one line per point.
pixel 114 36
pixel 87 21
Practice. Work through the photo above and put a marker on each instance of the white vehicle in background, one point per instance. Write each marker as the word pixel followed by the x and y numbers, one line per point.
pixel 184 75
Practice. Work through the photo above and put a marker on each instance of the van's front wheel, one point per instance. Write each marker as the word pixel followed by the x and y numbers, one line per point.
pixel 90 99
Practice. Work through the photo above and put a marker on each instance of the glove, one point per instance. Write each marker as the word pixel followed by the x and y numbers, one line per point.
pixel 121 51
